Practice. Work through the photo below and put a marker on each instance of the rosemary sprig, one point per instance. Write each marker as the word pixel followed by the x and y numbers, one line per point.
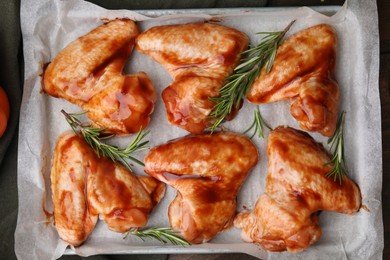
pixel 337 150
pixel 94 137
pixel 162 234
pixel 238 84
pixel 258 125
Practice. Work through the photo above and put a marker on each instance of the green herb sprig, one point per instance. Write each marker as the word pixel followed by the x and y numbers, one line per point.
pixel 162 234
pixel 94 137
pixel 258 125
pixel 337 150
pixel 238 84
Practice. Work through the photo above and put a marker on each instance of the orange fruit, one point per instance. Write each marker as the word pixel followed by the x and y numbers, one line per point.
pixel 4 111
pixel 3 122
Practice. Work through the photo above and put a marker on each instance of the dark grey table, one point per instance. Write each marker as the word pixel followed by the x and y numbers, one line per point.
pixel 11 78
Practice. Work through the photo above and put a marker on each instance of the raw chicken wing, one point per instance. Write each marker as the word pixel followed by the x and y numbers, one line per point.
pixel 88 72
pixel 207 171
pixel 84 186
pixel 70 167
pixel 199 57
pixel 285 217
pixel 304 72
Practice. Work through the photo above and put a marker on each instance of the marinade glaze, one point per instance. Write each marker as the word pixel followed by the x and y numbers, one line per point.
pixel 285 216
pixel 199 57
pixel 85 186
pixel 88 72
pixel 304 71
pixel 207 171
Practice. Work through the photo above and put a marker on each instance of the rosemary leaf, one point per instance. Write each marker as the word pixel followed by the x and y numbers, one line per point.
pixel 162 234
pixel 258 125
pixel 337 149
pixel 94 137
pixel 238 85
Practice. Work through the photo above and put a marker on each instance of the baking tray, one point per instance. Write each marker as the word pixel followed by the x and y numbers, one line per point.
pixel 328 10
pixel 53 128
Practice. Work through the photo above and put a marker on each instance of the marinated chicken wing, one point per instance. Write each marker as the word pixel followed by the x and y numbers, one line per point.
pixel 124 105
pixel 304 72
pixel 120 197
pixel 207 171
pixel 285 217
pixel 84 186
pixel 70 167
pixel 199 57
pixel 88 72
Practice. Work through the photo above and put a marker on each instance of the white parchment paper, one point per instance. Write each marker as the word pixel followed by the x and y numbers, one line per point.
pixel 48 26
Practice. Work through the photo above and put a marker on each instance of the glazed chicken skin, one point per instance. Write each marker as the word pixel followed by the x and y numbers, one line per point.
pixel 304 71
pixel 285 217
pixel 84 186
pixel 70 166
pixel 207 171
pixel 88 73
pixel 198 56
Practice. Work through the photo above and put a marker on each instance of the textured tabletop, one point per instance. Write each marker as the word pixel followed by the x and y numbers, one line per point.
pixel 11 79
